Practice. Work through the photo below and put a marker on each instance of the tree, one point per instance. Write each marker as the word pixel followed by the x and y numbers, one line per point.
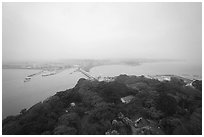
pixel 197 84
pixel 70 119
pixel 23 111
pixel 167 104
pixel 64 130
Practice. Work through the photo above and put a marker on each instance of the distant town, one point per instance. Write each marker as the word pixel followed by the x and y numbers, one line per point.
pixel 84 66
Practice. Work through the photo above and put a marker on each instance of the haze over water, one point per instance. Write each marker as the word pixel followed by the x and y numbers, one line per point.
pixel 51 31
pixel 18 95
pixel 54 31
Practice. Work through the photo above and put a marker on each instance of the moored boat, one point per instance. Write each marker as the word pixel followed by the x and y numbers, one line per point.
pixel 27 79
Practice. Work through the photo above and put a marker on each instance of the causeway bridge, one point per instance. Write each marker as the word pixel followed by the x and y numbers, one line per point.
pixel 89 76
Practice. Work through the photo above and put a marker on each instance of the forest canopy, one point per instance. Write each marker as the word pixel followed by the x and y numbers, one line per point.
pixel 95 108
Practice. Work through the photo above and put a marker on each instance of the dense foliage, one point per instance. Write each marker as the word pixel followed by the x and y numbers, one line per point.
pixel 90 107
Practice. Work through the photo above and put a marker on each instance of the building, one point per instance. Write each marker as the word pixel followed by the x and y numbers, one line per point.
pixel 72 104
pixel 127 99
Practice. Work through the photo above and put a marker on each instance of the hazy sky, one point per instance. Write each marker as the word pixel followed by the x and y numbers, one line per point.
pixel 47 31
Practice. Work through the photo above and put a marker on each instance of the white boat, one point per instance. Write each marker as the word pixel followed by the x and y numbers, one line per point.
pixel 27 79
pixel 49 73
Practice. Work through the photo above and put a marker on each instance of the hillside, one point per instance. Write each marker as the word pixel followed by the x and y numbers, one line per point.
pixel 128 105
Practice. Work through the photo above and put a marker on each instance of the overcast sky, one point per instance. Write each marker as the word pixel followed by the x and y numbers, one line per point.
pixel 49 31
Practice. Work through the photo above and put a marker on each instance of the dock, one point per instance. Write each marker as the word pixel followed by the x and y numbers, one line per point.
pixel 29 77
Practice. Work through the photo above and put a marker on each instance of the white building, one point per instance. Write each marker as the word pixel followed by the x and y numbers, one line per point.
pixel 127 99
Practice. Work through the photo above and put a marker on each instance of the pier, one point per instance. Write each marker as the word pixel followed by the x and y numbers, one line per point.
pixel 28 78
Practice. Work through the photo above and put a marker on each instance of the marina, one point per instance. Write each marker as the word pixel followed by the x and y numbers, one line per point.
pixel 49 73
pixel 43 73
pixel 29 77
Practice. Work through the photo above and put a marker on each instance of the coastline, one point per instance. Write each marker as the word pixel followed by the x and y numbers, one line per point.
pixel 63 103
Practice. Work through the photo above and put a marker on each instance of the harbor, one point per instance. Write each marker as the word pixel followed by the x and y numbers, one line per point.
pixel 44 73
pixel 29 77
